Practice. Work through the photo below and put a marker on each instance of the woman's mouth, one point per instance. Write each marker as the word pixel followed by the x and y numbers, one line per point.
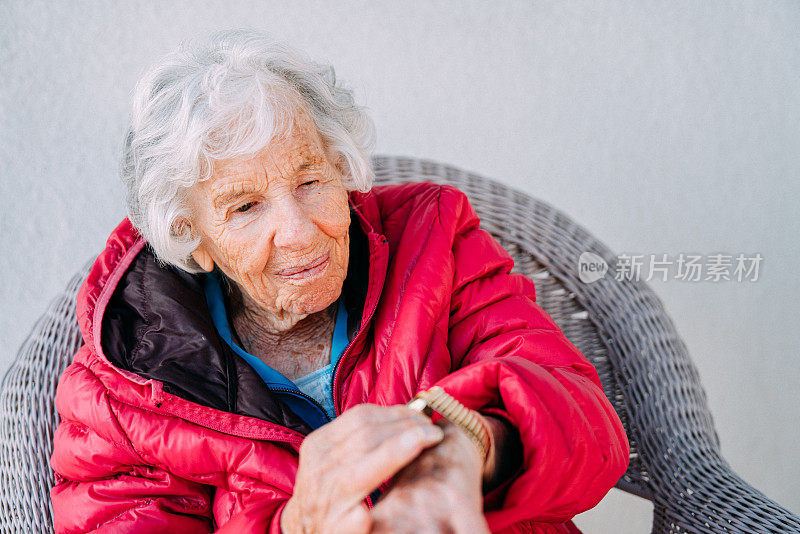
pixel 309 270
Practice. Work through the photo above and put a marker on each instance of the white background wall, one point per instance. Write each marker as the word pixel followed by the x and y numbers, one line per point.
pixel 663 127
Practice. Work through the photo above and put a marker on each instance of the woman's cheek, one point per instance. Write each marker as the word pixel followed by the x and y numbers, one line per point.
pixel 221 239
pixel 248 258
pixel 336 219
pixel 240 247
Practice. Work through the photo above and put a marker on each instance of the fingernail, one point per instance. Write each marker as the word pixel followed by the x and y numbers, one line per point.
pixel 422 434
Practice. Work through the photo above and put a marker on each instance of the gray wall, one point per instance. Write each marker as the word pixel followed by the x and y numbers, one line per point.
pixel 663 127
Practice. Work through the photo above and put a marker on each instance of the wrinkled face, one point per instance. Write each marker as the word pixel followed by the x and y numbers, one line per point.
pixel 276 223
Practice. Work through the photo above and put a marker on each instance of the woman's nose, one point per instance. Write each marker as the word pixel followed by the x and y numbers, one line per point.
pixel 294 229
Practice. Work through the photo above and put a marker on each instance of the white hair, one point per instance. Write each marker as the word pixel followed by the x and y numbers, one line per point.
pixel 219 97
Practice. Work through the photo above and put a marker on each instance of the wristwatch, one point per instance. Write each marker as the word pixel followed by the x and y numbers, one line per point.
pixel 438 400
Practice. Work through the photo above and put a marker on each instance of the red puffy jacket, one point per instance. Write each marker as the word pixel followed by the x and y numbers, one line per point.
pixel 164 429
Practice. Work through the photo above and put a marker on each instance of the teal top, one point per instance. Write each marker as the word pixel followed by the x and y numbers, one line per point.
pixel 310 396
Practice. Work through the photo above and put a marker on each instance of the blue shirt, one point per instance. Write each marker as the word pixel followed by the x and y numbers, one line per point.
pixel 310 396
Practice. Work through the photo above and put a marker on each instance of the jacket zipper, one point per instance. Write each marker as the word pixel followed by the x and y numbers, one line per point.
pixel 299 393
pixel 334 388
pixel 335 369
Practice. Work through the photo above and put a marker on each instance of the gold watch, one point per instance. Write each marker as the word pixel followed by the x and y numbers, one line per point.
pixel 438 400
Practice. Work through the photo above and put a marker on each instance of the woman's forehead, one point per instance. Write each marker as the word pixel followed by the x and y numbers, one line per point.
pixel 285 156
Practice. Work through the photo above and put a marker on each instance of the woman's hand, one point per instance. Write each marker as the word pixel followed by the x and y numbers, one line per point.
pixel 438 492
pixel 345 460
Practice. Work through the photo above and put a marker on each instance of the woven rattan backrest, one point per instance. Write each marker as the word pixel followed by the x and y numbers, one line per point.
pixel 28 415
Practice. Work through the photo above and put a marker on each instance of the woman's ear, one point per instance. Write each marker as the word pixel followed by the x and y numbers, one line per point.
pixel 183 227
pixel 203 259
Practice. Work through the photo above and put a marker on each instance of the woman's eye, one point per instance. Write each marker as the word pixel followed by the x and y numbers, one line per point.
pixel 244 207
pixel 310 182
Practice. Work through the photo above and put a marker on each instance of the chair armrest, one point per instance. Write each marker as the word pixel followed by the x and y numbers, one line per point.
pixel 693 487
pixel 708 496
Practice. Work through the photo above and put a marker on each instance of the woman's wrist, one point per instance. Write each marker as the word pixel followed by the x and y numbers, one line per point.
pixel 494 428
pixel 495 438
pixel 505 452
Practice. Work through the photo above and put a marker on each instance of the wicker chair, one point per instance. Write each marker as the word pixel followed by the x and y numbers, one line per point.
pixel 621 326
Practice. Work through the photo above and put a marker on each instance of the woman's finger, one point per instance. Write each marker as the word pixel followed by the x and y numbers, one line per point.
pixel 364 416
pixel 367 438
pixel 376 465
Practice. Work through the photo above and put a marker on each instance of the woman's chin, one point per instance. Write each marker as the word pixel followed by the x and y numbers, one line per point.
pixel 303 307
pixel 316 297
pixel 320 304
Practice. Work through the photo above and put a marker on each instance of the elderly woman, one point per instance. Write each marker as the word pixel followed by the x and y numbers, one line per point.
pixel 256 327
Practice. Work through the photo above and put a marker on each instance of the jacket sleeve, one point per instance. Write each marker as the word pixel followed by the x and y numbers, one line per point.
pixel 260 515
pixel 103 485
pixel 511 360
pixel 141 499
